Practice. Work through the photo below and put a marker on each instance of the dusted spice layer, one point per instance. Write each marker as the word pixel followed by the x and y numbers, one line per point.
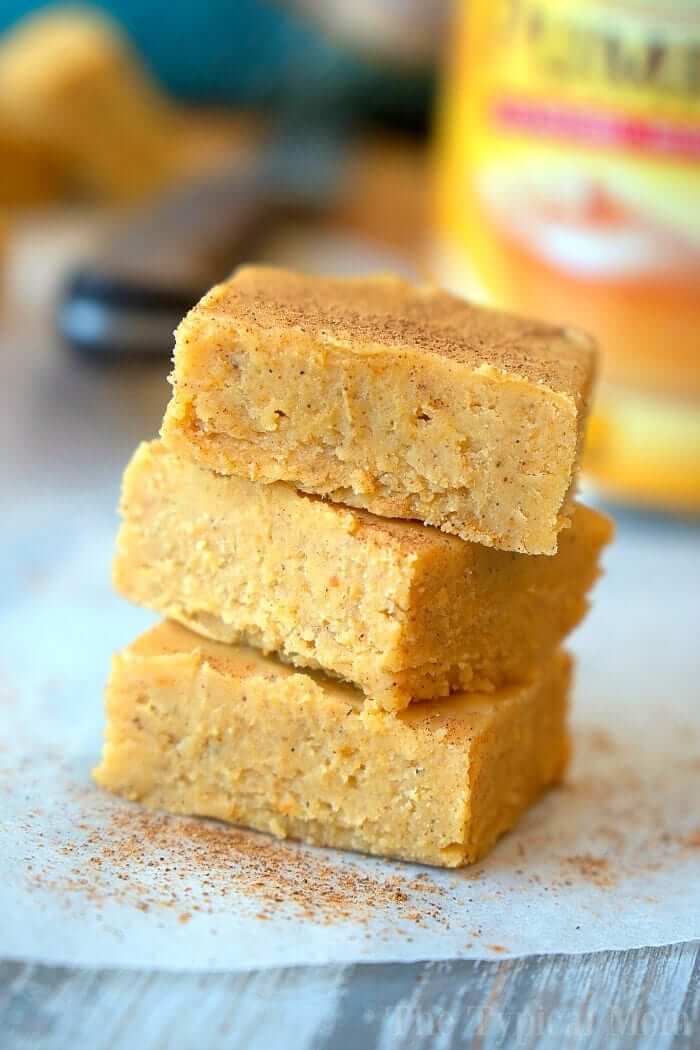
pixel 214 730
pixel 407 402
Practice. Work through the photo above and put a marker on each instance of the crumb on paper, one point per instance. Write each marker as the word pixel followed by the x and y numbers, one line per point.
pixel 119 863
pixel 592 869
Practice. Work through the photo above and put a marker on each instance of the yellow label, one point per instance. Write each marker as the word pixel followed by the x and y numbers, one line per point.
pixel 569 175
pixel 645 450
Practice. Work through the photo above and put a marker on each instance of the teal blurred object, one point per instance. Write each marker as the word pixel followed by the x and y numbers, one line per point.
pixel 253 52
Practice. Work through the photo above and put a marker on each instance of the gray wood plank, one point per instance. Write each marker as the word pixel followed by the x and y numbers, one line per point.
pixel 607 1000
pixel 59 1007
pixel 688 1037
pixel 648 999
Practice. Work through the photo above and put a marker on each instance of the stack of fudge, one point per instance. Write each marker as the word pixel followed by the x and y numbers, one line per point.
pixel 359 526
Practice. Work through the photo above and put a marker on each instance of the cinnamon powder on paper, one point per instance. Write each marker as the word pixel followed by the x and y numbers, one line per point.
pixel 199 864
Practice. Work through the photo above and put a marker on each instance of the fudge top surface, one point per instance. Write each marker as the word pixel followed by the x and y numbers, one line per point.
pixel 406 534
pixel 153 458
pixel 459 715
pixel 367 314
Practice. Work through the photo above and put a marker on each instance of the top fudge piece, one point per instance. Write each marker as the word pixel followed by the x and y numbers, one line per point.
pixel 402 400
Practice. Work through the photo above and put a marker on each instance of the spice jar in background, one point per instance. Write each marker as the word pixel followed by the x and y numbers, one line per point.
pixel 568 188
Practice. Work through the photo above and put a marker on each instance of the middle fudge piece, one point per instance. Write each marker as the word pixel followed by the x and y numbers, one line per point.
pixel 402 610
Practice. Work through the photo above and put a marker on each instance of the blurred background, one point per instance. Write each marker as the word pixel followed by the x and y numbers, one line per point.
pixel 539 156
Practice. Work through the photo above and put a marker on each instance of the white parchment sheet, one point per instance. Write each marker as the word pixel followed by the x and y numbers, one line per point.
pixel 612 860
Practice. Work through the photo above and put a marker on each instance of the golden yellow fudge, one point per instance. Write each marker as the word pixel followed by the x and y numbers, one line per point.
pixel 401 610
pixel 70 82
pixel 29 175
pixel 405 401
pixel 198 727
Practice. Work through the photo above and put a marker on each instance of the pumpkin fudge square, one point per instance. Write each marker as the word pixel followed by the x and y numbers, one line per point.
pixel 214 730
pixel 405 401
pixel 399 609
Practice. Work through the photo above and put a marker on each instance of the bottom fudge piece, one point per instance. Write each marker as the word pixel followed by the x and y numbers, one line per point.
pixel 222 731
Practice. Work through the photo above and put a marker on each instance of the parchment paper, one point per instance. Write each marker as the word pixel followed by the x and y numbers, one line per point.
pixel 612 860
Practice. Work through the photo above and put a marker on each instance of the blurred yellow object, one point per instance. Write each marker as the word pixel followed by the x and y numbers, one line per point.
pixel 569 189
pixel 384 195
pixel 29 174
pixel 28 178
pixel 644 450
pixel 70 84
pixel 209 138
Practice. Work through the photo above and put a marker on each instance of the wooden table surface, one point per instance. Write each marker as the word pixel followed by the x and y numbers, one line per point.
pixel 643 998
pixel 648 999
